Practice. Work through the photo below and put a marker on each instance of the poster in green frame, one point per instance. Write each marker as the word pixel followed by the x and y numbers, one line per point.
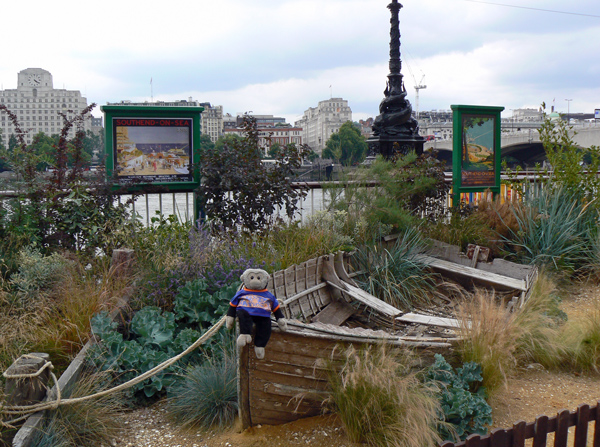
pixel 152 146
pixel 476 150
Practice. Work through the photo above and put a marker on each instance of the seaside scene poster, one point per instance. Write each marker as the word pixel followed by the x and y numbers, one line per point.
pixel 152 150
pixel 478 151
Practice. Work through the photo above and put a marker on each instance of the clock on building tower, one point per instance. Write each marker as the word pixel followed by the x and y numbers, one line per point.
pixel 34 80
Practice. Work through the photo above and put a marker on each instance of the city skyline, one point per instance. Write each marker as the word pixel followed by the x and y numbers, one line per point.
pixel 282 57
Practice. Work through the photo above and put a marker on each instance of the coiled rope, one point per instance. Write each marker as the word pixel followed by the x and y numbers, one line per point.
pixel 25 410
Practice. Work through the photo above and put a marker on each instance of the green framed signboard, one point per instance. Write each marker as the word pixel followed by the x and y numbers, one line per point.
pixel 152 145
pixel 476 150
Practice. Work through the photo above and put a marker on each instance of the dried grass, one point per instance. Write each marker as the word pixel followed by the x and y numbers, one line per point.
pixel 380 402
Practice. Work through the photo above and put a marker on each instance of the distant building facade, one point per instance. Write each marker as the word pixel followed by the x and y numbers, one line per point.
pixel 319 123
pixel 269 135
pixel 528 115
pixel 212 121
pixel 366 127
pixel 229 121
pixel 37 105
pixel 176 103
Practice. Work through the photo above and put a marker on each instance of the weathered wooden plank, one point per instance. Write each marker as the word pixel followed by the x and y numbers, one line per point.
pixel 518 434
pixel 258 378
pixel 305 372
pixel 297 344
pixel 300 277
pixel 474 441
pixel 490 278
pixel 595 415
pixel 281 399
pixel 296 406
pixel 340 269
pixel 561 434
pixel 499 438
pixel 270 417
pixel 581 426
pixel 369 300
pixel 429 320
pixel 335 313
pixel 541 431
pixel 244 387
pixel 289 396
pixel 301 360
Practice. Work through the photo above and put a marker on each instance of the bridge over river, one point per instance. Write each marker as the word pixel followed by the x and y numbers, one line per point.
pixel 524 145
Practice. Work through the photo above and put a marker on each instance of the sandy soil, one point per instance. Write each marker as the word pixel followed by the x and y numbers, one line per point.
pixel 531 392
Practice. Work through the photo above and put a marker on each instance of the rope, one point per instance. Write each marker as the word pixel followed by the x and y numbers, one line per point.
pixel 47 364
pixel 27 409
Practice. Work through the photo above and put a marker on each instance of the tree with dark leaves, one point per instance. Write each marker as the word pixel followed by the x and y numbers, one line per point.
pixel 238 191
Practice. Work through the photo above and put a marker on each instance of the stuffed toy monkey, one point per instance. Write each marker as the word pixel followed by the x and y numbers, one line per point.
pixel 253 306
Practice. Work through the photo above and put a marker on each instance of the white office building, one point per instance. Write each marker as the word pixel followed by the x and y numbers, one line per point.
pixel 37 104
pixel 212 121
pixel 319 123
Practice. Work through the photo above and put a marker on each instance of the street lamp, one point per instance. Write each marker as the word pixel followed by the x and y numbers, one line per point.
pixel 568 110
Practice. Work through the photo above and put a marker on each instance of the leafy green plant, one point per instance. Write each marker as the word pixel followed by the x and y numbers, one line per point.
pixel 348 146
pixel 574 169
pixel 396 275
pixel 194 305
pixel 129 358
pixel 462 399
pixel 408 189
pixel 66 210
pixel 156 335
pixel 380 402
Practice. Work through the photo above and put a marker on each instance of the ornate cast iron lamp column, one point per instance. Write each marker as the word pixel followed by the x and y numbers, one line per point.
pixel 394 129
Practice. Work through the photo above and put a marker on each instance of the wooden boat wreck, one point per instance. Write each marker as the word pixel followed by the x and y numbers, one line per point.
pixel 327 311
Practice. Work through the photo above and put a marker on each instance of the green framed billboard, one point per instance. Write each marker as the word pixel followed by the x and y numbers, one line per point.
pixel 476 150
pixel 152 146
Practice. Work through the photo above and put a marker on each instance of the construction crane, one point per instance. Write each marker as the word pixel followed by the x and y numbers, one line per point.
pixel 418 87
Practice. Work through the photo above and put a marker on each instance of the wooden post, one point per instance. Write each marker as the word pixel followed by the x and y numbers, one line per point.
pixel 26 379
pixel 244 386
pixel 121 261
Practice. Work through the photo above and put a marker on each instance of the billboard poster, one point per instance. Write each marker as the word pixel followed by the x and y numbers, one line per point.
pixel 152 150
pixel 597 114
pixel 478 150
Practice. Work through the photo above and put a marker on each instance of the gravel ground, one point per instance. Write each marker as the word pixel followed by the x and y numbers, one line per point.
pixel 531 392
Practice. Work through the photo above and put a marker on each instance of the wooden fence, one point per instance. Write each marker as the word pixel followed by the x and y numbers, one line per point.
pixel 538 431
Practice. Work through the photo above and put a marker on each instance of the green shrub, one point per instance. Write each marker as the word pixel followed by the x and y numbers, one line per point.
pixel 409 189
pixel 205 396
pixel 397 275
pixel 36 276
pixel 582 343
pixel 464 228
pixel 487 337
pixel 551 230
pixel 87 423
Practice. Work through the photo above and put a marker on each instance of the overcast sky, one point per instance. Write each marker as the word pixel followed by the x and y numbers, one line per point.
pixel 281 57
